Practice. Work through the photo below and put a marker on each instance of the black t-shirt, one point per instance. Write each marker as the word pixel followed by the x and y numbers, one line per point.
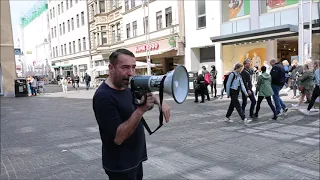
pixel 113 107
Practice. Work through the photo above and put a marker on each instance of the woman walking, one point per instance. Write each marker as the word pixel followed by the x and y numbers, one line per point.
pixel 213 81
pixel 316 90
pixel 234 84
pixel 305 85
pixel 265 91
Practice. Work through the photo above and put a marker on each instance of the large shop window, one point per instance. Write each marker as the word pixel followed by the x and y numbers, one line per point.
pixel 201 13
pixel 207 54
pixel 233 9
pixel 271 5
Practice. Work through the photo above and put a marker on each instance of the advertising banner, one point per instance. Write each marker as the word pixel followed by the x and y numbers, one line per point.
pixel 272 4
pixel 238 8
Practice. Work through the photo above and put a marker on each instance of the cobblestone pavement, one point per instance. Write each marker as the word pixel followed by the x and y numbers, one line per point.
pixel 55 136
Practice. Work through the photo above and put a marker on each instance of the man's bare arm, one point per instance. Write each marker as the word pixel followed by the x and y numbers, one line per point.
pixel 125 129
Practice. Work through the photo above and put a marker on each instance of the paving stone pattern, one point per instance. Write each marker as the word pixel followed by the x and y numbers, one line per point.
pixel 58 138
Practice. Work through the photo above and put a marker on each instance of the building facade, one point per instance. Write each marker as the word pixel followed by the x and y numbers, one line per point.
pixel 34 42
pixel 69 34
pixel 7 62
pixel 250 29
pixel 142 27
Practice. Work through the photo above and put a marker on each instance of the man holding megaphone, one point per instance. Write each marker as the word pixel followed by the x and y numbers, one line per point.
pixel 120 117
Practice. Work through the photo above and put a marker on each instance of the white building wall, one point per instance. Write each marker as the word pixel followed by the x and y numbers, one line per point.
pixel 35 46
pixel 200 38
pixel 74 57
pixel 138 15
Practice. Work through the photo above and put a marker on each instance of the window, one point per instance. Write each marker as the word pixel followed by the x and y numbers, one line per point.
pixel 72 24
pixel 50 14
pixel 118 32
pixel 53 12
pixel 65 49
pixel 134 28
pixel 79 45
pixel 159 20
pixel 145 24
pixel 133 3
pixel 68 25
pixel 104 35
pixel 126 5
pixel 92 11
pixel 113 31
pixel 61 7
pixel 78 21
pixel 64 28
pixel 55 31
pixel 61 50
pixel 82 18
pixel 57 51
pixel 53 52
pixel 168 17
pixel 70 3
pixel 67 5
pixel 115 3
pixel 201 13
pixel 52 35
pixel 70 50
pixel 128 31
pixel 60 29
pixel 84 43
pixel 76 1
pixel 74 46
pixel 102 5
pixel 58 9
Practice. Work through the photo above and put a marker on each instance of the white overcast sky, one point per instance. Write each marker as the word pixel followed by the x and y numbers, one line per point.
pixel 18 8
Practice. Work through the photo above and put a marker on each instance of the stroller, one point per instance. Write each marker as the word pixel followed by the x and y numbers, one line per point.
pixel 40 87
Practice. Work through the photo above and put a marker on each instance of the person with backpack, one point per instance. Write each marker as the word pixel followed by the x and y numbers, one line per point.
pixel 246 75
pixel 199 88
pixel 213 81
pixel 206 75
pixel 265 91
pixel 233 86
pixel 87 79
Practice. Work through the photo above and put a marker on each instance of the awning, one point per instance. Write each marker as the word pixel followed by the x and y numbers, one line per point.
pixel 258 35
pixel 55 67
pixel 66 65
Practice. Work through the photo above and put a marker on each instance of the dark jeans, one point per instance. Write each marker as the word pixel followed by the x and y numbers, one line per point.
pixel 244 102
pixel 276 98
pixel 315 95
pixel 260 98
pixel 136 175
pixel 213 85
pixel 34 91
pixel 234 94
pixel 87 85
pixel 294 87
pixel 206 92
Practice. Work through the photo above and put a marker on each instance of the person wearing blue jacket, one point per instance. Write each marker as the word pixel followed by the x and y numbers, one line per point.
pixel 278 80
pixel 234 84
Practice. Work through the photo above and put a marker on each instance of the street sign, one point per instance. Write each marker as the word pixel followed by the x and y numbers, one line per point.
pixel 17 51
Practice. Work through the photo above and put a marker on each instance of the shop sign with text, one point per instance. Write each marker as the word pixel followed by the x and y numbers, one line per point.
pixel 144 48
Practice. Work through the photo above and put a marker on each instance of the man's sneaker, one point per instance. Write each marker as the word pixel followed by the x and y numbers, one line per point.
pixel 247 121
pixel 314 110
pixel 279 114
pixel 285 110
pixel 305 111
pixel 227 119
pixel 274 118
pixel 295 106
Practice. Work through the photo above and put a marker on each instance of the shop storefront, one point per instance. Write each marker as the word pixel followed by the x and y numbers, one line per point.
pixel 164 54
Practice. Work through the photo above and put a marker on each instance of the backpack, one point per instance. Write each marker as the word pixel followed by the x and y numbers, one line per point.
pixel 226 80
pixel 207 78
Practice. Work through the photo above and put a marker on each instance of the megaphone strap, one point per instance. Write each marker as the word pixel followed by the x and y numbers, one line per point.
pixel 161 113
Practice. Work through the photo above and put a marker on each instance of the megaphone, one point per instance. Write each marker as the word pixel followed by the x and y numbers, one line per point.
pixel 175 83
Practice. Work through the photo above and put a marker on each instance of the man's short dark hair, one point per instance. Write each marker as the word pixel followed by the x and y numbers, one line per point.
pixel 246 62
pixel 113 58
pixel 263 69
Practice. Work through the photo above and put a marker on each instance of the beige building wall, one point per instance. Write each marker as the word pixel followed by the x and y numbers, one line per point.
pixel 8 68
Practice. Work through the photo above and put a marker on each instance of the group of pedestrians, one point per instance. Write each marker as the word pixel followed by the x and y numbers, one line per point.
pixel 203 80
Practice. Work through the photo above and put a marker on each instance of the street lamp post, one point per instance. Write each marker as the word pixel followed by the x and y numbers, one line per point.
pixel 146 3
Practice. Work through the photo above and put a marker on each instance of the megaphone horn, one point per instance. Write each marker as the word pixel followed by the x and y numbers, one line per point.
pixel 175 83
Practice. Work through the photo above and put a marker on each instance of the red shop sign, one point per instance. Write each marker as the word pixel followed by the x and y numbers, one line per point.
pixel 151 47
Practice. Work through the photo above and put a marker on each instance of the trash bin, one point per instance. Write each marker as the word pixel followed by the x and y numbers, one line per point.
pixel 21 87
pixel 192 76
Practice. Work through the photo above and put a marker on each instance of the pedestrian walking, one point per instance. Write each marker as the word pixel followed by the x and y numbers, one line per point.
pixel 213 81
pixel 64 84
pixel 120 126
pixel 264 90
pixel 247 80
pixel 278 80
pixel 76 81
pixel 87 79
pixel 233 86
pixel 206 76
